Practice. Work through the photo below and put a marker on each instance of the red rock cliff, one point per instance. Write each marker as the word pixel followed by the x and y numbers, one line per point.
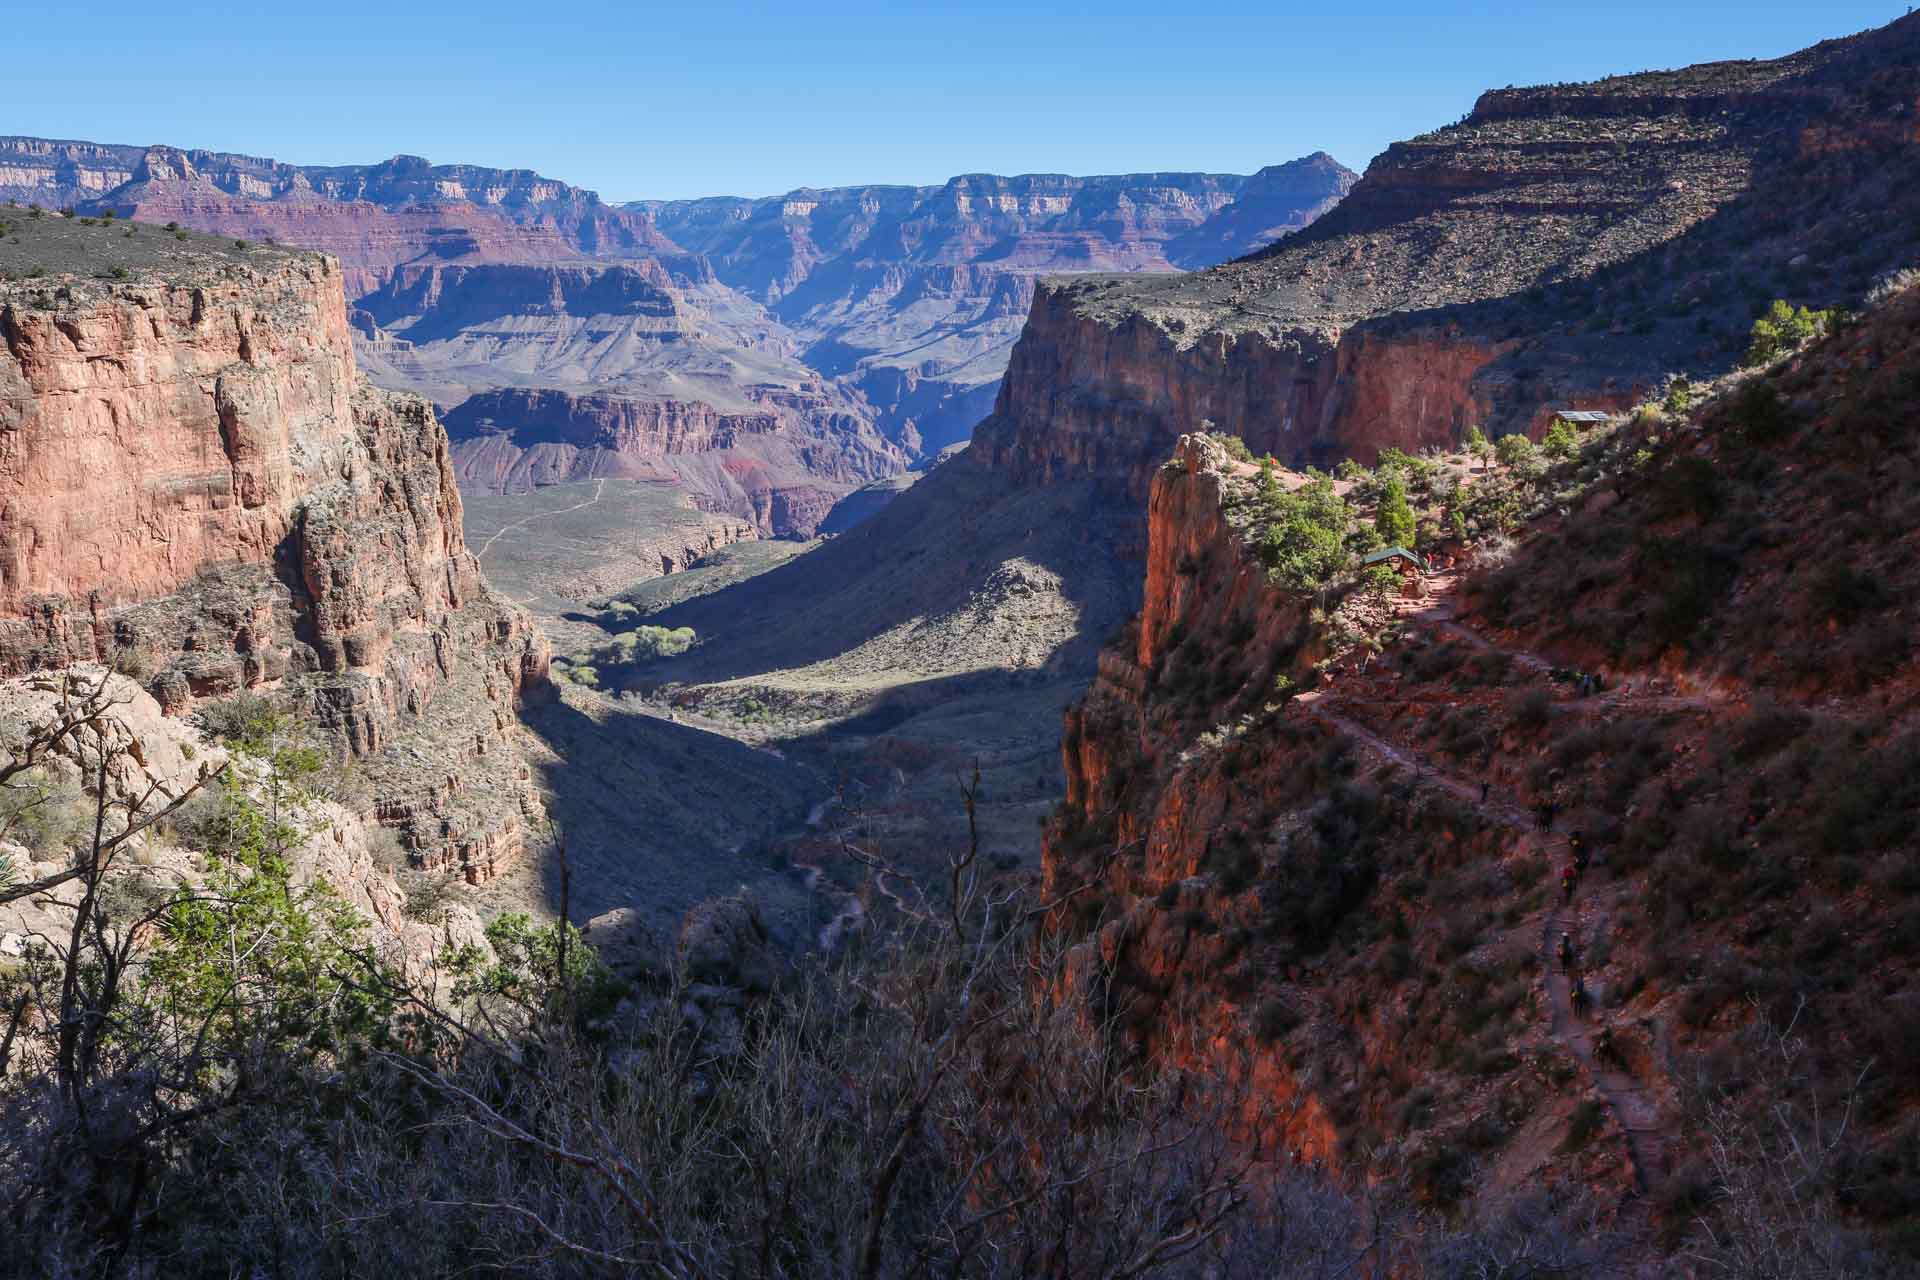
pixel 195 483
pixel 1219 862
pixel 1561 247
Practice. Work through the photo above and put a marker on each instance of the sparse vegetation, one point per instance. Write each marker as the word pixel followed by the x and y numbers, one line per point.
pixel 1784 329
pixel 1301 536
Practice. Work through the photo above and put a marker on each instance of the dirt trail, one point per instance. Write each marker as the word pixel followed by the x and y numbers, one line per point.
pixel 1632 1105
pixel 1507 812
pixel 849 919
pixel 1436 612
pixel 1630 1102
pixel 600 487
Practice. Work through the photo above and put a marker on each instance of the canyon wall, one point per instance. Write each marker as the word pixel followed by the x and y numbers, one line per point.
pixel 1088 394
pixel 874 322
pixel 781 461
pixel 373 217
pixel 1241 888
pixel 196 485
pixel 1145 816
pixel 914 295
pixel 1566 247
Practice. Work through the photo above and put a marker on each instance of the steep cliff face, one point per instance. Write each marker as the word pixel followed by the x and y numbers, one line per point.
pixel 1482 925
pixel 1245 887
pixel 781 459
pixel 195 484
pixel 1562 247
pixel 373 217
pixel 915 294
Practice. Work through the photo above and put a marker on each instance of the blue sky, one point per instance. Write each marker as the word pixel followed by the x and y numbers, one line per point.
pixel 715 97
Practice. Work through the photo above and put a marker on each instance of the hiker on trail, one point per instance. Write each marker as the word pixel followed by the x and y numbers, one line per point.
pixel 1566 952
pixel 1580 997
pixel 1543 816
pixel 1578 843
pixel 1568 876
pixel 1484 785
pixel 1604 1048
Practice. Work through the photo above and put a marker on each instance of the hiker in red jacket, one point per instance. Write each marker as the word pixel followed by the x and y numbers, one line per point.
pixel 1568 877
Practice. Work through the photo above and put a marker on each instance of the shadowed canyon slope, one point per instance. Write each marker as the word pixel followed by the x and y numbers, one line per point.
pixel 1316 830
pixel 1565 247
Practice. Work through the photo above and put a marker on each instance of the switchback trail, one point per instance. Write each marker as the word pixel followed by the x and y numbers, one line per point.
pixel 599 487
pixel 1626 1097
pixel 1630 1103
pixel 1436 612
pixel 1632 1106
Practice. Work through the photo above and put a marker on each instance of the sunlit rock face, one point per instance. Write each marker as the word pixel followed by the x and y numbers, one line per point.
pixel 196 485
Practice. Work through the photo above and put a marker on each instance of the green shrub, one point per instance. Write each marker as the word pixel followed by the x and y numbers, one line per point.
pixel 1562 441
pixel 1394 519
pixel 1380 580
pixel 1478 445
pixel 1783 329
pixel 1514 450
pixel 46 811
pixel 1301 536
pixel 1679 396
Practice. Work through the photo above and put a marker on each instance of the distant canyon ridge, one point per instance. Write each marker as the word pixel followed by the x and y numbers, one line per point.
pixel 768 356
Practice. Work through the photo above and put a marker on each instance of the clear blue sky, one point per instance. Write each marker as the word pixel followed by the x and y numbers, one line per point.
pixel 716 97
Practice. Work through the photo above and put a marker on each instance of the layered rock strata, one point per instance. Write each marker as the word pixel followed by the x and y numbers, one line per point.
pixel 1562 247
pixel 915 294
pixel 779 461
pixel 196 486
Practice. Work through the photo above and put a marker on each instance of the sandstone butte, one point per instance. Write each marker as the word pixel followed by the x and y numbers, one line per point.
pixel 197 485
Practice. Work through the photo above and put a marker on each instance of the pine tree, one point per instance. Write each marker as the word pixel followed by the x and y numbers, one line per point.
pixel 1394 519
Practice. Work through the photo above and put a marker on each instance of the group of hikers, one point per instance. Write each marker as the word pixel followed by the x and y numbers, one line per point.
pixel 1575 867
pixel 1570 873
pixel 1581 998
pixel 1585 683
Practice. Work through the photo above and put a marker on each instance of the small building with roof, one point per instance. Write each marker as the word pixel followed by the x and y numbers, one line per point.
pixel 1411 566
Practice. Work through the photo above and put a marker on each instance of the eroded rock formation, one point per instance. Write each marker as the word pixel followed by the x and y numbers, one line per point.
pixel 1562 247
pixel 914 294
pixel 196 485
